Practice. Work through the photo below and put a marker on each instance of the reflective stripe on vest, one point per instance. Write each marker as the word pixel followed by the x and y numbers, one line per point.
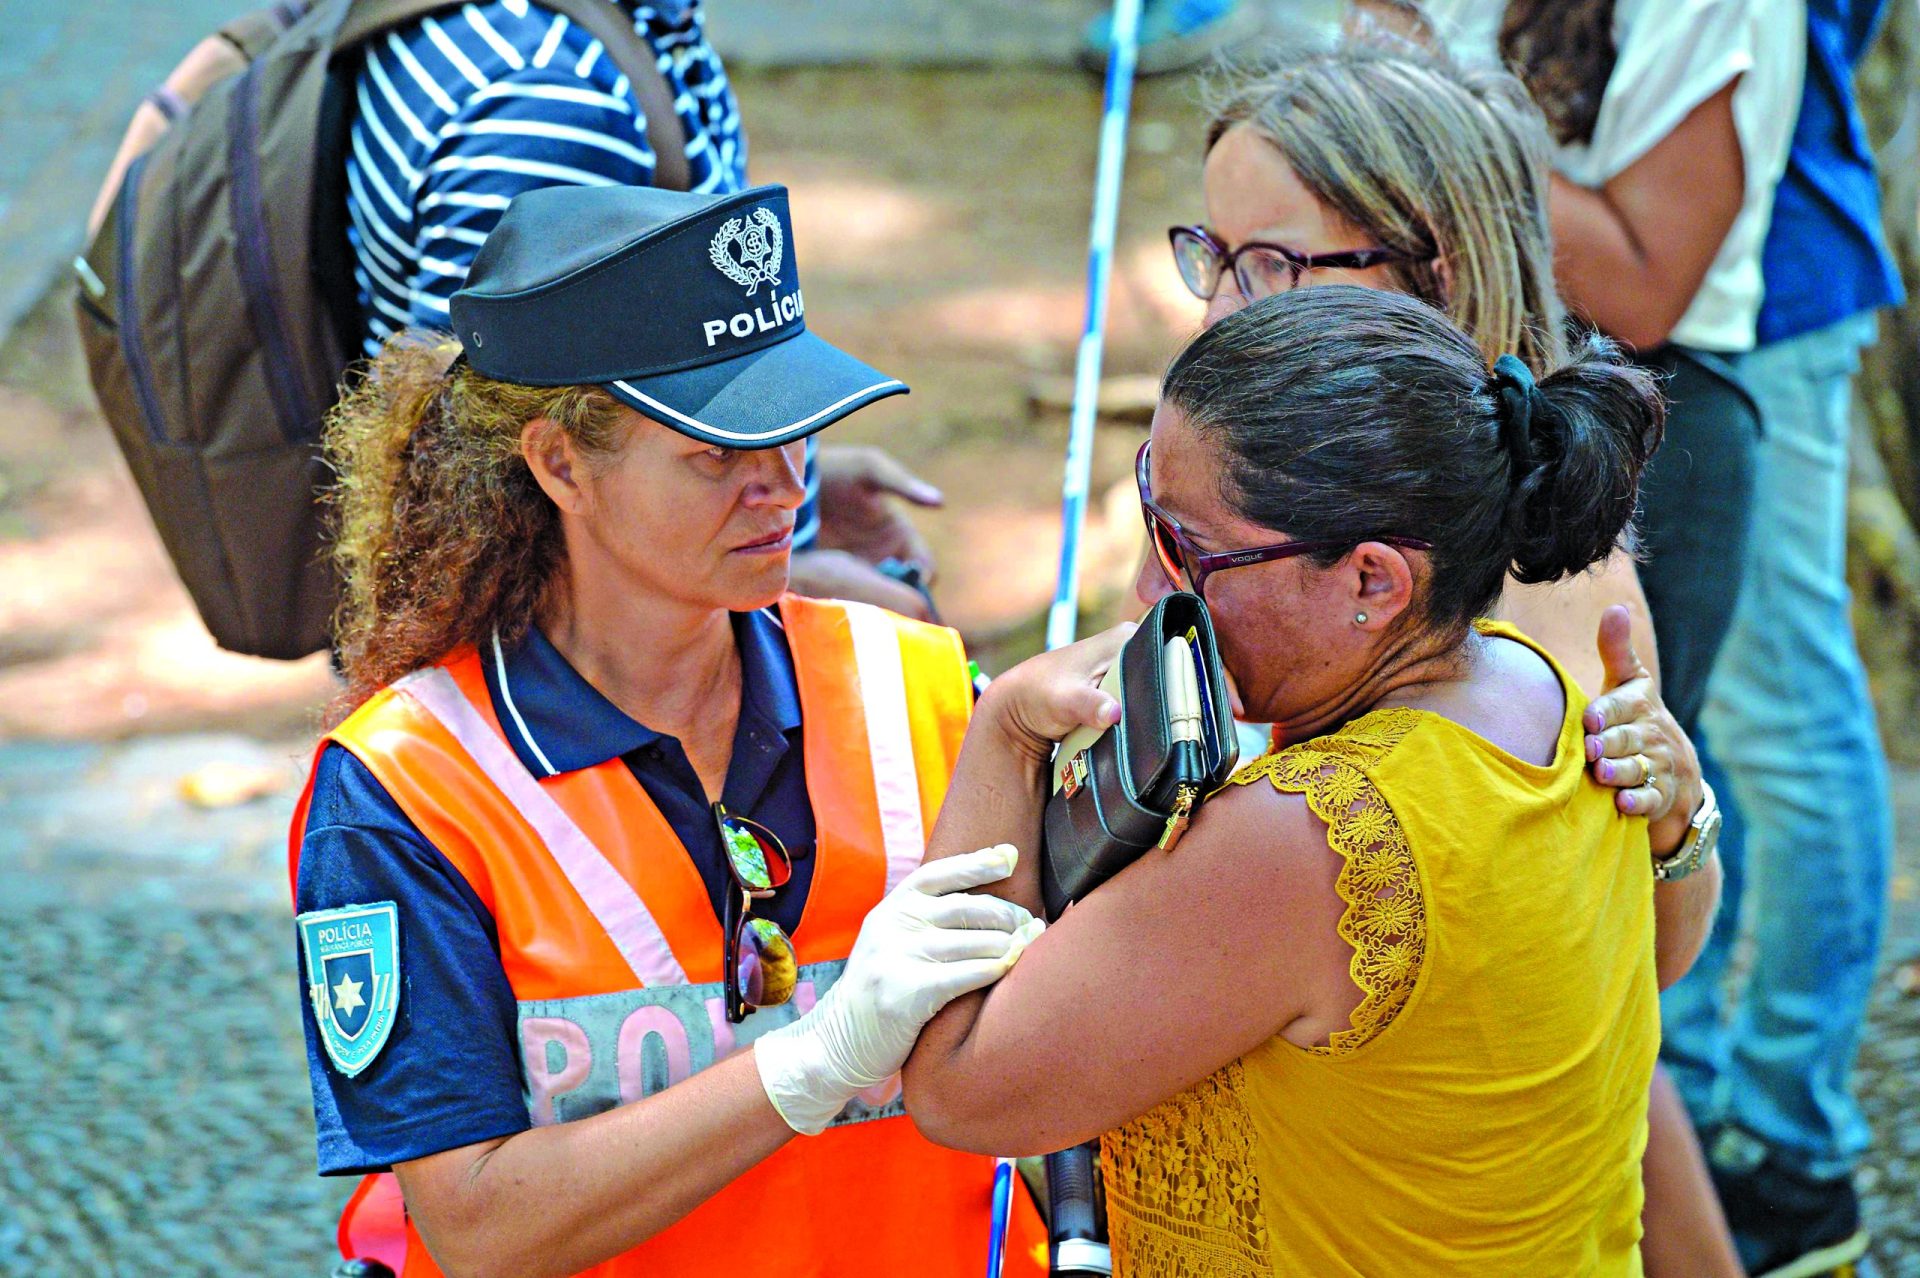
pixel 876 656
pixel 611 899
pixel 608 938
pixel 583 1056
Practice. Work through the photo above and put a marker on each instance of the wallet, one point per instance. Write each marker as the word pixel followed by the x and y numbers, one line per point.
pixel 1121 790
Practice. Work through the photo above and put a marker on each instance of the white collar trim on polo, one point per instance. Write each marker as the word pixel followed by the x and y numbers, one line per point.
pixel 506 695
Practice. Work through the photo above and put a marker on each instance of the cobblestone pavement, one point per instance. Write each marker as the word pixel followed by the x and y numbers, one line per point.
pixel 1889 1067
pixel 153 1098
pixel 154 1115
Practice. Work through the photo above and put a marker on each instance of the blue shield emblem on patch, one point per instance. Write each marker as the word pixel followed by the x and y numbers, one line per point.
pixel 353 979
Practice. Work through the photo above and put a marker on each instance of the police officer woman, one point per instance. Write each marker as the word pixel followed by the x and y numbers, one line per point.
pixel 608 883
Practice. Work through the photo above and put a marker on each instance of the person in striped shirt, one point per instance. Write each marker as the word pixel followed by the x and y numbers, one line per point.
pixel 458 112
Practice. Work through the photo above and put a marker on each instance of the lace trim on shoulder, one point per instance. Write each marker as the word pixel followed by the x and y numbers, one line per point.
pixel 1183 1195
pixel 1385 920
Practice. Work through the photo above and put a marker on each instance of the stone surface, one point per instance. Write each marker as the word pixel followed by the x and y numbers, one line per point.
pixel 154 1112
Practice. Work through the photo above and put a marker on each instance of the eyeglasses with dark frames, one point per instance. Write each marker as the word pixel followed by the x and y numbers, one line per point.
pixel 1261 269
pixel 1179 557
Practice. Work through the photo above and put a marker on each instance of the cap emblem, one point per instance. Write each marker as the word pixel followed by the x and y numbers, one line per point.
pixel 748 253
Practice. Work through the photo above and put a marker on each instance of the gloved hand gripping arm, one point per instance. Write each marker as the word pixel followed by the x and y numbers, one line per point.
pixel 927 943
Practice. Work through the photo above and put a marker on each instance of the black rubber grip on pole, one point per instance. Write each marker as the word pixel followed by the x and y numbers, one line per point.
pixel 1070 1194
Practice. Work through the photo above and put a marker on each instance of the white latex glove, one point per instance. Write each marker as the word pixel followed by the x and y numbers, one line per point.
pixel 927 943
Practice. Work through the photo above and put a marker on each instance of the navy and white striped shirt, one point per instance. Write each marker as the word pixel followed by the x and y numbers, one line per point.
pixel 459 112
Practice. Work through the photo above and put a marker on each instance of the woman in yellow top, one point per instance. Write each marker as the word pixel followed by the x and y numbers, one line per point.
pixel 1435 179
pixel 1390 1007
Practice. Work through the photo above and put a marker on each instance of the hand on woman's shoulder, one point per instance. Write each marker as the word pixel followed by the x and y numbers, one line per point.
pixel 1512 698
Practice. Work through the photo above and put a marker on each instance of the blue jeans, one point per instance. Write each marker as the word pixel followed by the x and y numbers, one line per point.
pixel 1696 507
pixel 1789 718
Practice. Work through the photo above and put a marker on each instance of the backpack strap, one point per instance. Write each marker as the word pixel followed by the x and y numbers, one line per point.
pixel 613 27
pixel 252 32
pixel 604 20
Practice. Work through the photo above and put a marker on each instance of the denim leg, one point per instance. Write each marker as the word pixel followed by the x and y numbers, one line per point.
pixel 1694 1038
pixel 1793 725
pixel 1696 503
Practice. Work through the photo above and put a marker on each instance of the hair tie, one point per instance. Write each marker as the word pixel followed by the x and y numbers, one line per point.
pixel 1517 401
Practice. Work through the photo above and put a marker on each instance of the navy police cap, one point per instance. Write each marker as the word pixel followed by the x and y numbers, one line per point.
pixel 685 307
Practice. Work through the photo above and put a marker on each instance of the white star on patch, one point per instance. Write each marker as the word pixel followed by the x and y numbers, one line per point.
pixel 346 995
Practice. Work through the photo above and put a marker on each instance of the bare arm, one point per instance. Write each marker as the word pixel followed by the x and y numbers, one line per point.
pixel 559 1199
pixel 996 793
pixel 1122 1002
pixel 1631 255
pixel 1118 1005
pixel 1682 917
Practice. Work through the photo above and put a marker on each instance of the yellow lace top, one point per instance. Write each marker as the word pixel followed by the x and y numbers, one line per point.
pixel 1500 916
pixel 1385 920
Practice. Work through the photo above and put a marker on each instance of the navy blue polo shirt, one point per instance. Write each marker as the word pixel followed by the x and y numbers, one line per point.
pixel 1826 255
pixel 450 1072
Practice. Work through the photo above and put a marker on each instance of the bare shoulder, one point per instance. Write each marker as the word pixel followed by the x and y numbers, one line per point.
pixel 1251 851
pixel 1512 699
pixel 1186 960
pixel 1524 699
pixel 1257 863
pixel 1258 829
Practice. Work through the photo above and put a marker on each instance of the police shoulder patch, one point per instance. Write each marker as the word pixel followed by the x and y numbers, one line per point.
pixel 353 979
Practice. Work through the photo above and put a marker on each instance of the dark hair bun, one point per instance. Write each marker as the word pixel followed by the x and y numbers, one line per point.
pixel 1345 414
pixel 1598 420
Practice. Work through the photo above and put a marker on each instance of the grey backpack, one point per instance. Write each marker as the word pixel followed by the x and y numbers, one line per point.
pixel 217 306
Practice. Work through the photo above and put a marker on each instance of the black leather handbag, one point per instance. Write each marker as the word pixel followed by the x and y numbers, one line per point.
pixel 1135 785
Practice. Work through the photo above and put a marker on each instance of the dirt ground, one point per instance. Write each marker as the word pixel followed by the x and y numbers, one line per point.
pixel 942 239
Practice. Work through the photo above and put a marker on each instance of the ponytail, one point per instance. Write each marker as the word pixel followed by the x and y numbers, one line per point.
pixel 442 537
pixel 1576 443
pixel 1346 414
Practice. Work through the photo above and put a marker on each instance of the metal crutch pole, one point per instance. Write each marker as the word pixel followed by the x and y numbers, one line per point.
pixel 1077 1245
pixel 1063 617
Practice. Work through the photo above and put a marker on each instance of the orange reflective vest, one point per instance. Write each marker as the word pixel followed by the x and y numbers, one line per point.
pixel 614 954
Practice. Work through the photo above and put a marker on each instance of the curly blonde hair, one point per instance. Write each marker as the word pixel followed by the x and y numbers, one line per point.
pixel 441 534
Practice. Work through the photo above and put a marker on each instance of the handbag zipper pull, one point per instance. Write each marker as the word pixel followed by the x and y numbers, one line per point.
pixel 1183 797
